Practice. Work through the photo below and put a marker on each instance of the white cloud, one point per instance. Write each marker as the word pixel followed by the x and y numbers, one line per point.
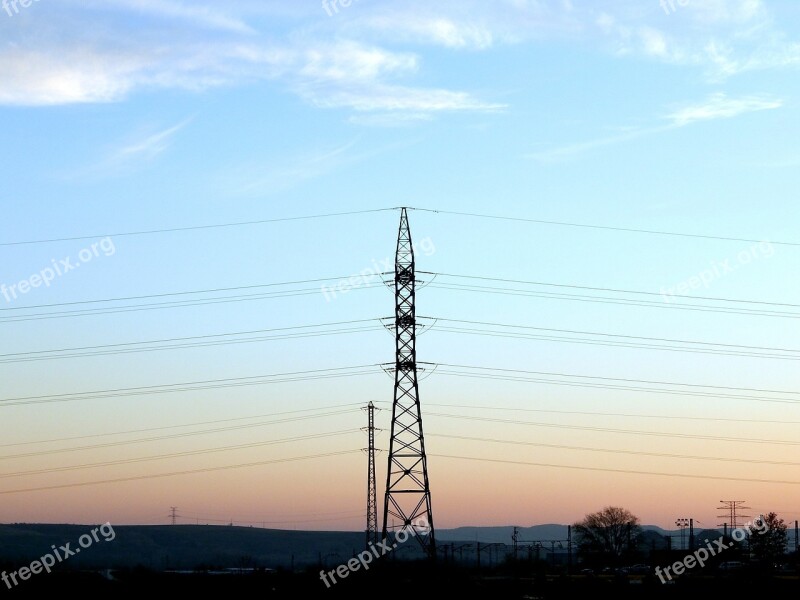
pixel 36 78
pixel 389 119
pixel 728 11
pixel 149 147
pixel 350 75
pixel 570 150
pixel 654 42
pixel 129 156
pixel 349 61
pixel 270 177
pixel 433 29
pixel 398 98
pixel 109 64
pixel 717 106
pixel 196 13
pixel 720 106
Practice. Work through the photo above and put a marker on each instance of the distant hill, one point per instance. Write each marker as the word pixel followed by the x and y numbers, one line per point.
pixel 502 534
pixel 191 547
pixel 180 547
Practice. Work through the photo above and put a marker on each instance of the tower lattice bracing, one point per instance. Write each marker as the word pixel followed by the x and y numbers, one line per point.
pixel 408 496
pixel 372 492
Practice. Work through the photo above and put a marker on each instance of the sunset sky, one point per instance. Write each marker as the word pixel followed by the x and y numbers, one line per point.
pixel 174 335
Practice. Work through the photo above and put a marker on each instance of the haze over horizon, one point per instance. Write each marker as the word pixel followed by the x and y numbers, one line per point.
pixel 604 214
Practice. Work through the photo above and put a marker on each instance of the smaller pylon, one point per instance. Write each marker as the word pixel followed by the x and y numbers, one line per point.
pixel 372 489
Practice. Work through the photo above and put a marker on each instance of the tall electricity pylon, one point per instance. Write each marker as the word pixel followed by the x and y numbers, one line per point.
pixel 734 509
pixel 408 492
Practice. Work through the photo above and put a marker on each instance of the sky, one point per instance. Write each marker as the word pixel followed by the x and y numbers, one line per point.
pixel 604 206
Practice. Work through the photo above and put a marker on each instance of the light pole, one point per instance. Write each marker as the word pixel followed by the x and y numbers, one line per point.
pixel 682 525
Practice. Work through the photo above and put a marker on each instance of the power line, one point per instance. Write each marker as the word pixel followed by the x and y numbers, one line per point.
pixel 181 293
pixel 196 227
pixel 607 289
pixel 126 461
pixel 12 314
pixel 612 414
pixel 588 381
pixel 300 331
pixel 612 300
pixel 614 383
pixel 171 436
pixel 622 431
pixel 377 210
pixel 291 376
pixel 176 473
pixel 602 227
pixel 608 470
pixel 357 406
pixel 380 284
pixel 628 452
pixel 353 405
pixel 175 304
pixel 264 522
pixel 625 341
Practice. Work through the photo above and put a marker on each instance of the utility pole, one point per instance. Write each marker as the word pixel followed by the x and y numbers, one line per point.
pixel 514 538
pixel 372 494
pixel 408 492
pixel 173 513
pixel 682 525
pixel 569 549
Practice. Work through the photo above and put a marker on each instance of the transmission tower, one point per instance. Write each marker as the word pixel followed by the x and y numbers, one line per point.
pixel 372 494
pixel 408 493
pixel 733 508
pixel 173 513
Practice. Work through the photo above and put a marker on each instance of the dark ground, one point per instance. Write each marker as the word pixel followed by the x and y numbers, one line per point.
pixel 398 581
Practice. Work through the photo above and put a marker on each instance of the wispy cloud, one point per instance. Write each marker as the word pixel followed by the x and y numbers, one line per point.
pixel 205 16
pixel 437 29
pixel 267 176
pixel 359 77
pixel 132 154
pixel 351 64
pixel 720 106
pixel 716 106
pixel 379 97
pixel 340 74
pixel 149 147
pixel 390 119
pixel 270 177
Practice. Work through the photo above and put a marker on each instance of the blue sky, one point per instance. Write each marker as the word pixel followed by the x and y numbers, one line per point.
pixel 137 115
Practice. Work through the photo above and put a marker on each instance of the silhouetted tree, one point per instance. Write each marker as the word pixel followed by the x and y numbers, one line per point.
pixel 768 539
pixel 610 534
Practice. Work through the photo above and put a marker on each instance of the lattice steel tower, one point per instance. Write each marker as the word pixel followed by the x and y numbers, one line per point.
pixel 734 509
pixel 372 488
pixel 408 493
